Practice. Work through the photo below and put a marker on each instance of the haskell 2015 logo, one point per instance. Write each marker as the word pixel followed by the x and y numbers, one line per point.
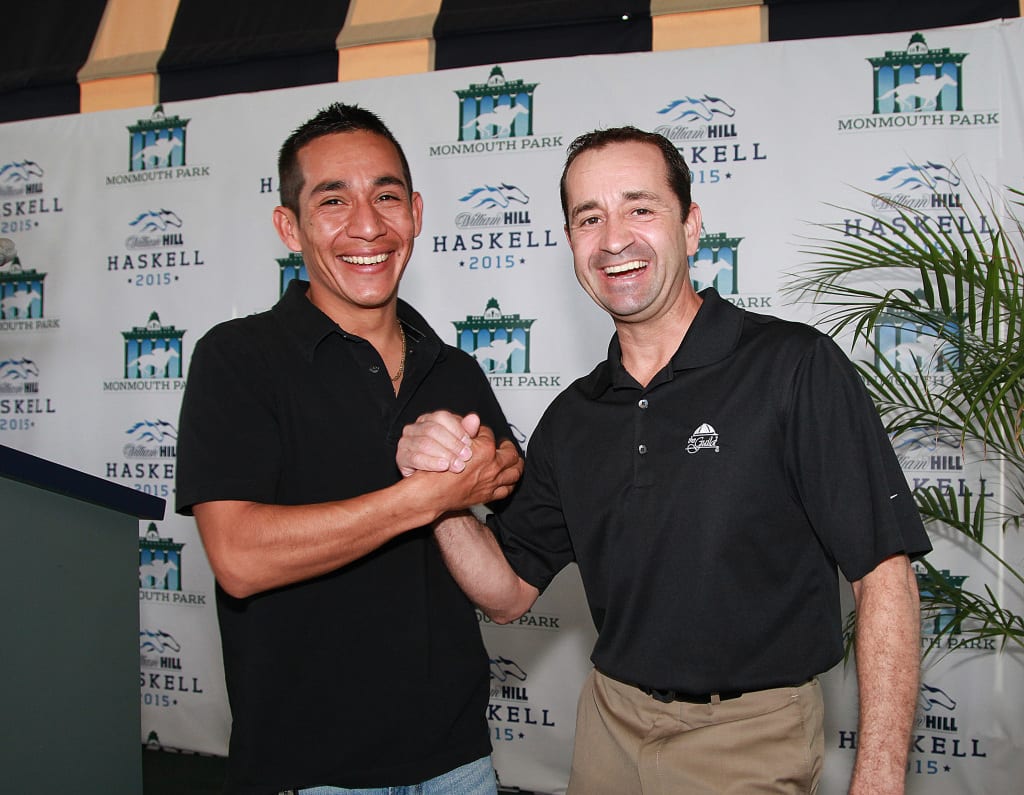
pixel 157 151
pixel 21 293
pixel 918 87
pixel 496 116
pixel 704 131
pixel 23 178
pixel 152 359
pixel 509 712
pixel 149 456
pixel 938 744
pixel 154 250
pixel 162 679
pixel 21 404
pixel 501 345
pixel 494 229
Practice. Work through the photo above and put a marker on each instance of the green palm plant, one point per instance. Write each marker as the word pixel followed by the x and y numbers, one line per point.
pixel 960 288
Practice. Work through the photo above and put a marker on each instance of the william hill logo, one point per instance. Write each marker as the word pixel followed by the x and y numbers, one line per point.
pixel 494 229
pixel 918 86
pixel 509 712
pixel 161 677
pixel 157 151
pixel 21 404
pixel 501 345
pixel 155 252
pixel 923 187
pixel 22 295
pixel 149 455
pixel 496 116
pixel 22 204
pixel 704 131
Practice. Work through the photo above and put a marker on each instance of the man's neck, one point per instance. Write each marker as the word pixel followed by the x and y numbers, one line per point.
pixel 648 346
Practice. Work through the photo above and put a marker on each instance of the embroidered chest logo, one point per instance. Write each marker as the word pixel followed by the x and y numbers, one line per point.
pixel 704 438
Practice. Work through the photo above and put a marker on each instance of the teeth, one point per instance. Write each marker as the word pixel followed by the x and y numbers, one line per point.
pixel 366 260
pixel 625 267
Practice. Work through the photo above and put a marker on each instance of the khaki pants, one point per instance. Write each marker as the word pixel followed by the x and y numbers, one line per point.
pixel 768 741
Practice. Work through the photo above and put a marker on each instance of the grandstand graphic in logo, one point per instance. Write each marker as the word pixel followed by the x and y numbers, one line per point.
pixel 703 128
pixel 159 561
pixel 157 151
pixel 496 116
pixel 940 619
pixel 148 458
pixel 918 87
pixel 493 229
pixel 23 178
pixel 153 350
pixel 161 677
pixel 155 252
pixel 161 571
pixel 704 438
pixel 908 345
pixel 500 343
pixel 716 263
pixel 510 713
pixel 21 293
pixel 291 267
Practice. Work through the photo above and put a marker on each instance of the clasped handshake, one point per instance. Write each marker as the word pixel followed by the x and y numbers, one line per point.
pixel 476 469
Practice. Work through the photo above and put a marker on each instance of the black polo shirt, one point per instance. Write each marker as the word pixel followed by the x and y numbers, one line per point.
pixel 708 511
pixel 375 674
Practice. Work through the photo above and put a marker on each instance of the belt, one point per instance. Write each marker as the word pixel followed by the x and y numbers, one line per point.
pixel 668 696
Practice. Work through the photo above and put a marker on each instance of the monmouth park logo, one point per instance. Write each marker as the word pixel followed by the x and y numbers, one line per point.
pixel 500 343
pixel 716 263
pixel 157 142
pixel 21 290
pixel 918 79
pixel 153 350
pixel 290 267
pixel 940 619
pixel 20 177
pixel 498 108
pixel 159 561
pixel 906 345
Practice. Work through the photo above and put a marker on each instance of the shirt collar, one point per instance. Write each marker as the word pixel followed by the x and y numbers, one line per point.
pixel 308 326
pixel 713 335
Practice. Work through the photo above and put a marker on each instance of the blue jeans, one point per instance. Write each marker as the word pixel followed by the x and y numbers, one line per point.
pixel 476 778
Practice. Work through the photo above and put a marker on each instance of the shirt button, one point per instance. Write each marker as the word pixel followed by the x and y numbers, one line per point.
pixel 642 449
pixel 643 403
pixel 374 369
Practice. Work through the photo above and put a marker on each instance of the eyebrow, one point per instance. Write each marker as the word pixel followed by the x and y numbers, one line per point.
pixel 629 195
pixel 329 186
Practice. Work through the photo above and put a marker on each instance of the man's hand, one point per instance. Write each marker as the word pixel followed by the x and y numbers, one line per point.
pixel 437 442
pixel 489 474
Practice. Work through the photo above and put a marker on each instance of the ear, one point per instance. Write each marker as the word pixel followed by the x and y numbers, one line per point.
pixel 287 226
pixel 417 213
pixel 693 224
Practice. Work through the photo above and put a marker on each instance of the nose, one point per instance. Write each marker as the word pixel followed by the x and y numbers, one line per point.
pixel 617 235
pixel 364 222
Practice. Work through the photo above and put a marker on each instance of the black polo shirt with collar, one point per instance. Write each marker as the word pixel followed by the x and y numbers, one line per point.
pixel 374 674
pixel 708 512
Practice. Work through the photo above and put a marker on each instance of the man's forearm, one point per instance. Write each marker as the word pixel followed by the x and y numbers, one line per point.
pixel 478 565
pixel 888 674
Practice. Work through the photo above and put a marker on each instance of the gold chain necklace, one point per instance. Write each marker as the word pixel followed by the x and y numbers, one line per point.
pixel 401 366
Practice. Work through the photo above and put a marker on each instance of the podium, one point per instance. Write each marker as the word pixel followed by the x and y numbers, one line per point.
pixel 69 663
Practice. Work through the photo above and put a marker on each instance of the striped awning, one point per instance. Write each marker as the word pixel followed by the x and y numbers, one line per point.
pixel 65 57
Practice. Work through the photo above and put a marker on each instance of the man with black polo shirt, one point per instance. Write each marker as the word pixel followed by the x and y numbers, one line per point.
pixel 708 478
pixel 352 659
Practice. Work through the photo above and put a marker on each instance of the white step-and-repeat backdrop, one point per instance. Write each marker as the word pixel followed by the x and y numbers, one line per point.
pixel 129 233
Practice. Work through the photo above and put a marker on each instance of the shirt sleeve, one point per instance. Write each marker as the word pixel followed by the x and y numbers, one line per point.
pixel 531 528
pixel 228 439
pixel 844 468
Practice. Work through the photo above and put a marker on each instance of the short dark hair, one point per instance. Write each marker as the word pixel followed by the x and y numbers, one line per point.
pixel 677 171
pixel 335 118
